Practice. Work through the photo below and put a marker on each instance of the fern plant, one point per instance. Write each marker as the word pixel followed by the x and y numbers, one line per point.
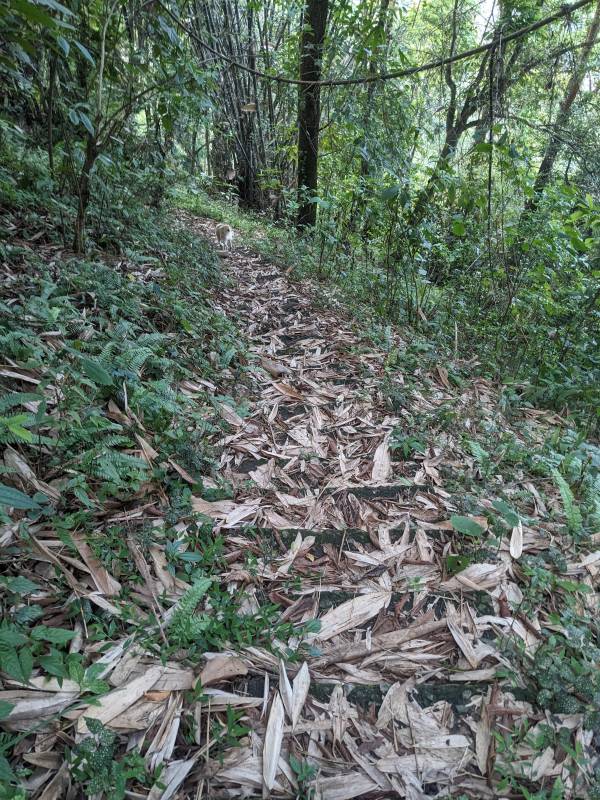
pixel 15 428
pixel 187 625
pixel 572 510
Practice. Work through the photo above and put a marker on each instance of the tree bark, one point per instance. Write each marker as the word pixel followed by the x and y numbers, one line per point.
pixel 376 62
pixel 91 153
pixel 309 108
pixel 557 137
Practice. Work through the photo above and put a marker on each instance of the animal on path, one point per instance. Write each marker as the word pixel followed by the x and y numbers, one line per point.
pixel 224 235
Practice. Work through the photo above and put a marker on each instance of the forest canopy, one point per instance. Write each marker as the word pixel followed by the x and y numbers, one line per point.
pixel 460 197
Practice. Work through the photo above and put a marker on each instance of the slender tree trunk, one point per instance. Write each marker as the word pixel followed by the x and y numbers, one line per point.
pixel 309 107
pixel 194 153
pixel 562 118
pixel 377 61
pixel 91 153
pixel 50 121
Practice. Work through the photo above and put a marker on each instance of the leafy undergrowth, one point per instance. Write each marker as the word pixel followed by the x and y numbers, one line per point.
pixel 525 354
pixel 108 418
pixel 308 563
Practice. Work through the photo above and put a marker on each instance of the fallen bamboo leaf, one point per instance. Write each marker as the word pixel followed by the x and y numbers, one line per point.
pixel 105 583
pixel 272 742
pixel 352 614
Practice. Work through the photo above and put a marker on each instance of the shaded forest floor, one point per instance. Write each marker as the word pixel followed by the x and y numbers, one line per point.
pixel 420 520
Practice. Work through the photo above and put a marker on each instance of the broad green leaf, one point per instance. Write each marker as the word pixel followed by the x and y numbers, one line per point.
pixel 16 499
pixel 572 586
pixel 26 659
pixel 508 513
pixel 5 709
pixel 53 664
pixel 313 626
pixel 33 13
pixel 20 585
pixel 458 227
pixel 56 7
pixel 456 564
pixel 16 664
pixel 63 44
pixel 85 53
pixel 96 372
pixel 6 773
pixel 390 192
pixel 87 123
pixel 466 525
pixel 11 637
pixel 54 635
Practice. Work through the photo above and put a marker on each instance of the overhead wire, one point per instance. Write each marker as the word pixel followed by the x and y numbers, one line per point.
pixel 565 11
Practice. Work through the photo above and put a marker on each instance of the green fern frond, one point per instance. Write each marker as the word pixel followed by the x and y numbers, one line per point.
pixel 108 351
pixel 18 399
pixel 134 359
pixel 12 429
pixel 572 511
pixel 116 467
pixel 186 624
pixel 153 340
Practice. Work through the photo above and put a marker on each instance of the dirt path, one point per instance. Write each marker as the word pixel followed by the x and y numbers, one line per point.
pixel 363 616
pixel 316 439
pixel 397 696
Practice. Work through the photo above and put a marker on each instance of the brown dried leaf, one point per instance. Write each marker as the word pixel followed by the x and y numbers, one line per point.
pixel 382 462
pixel 105 583
pixel 272 743
pixel 352 614
pixel 222 668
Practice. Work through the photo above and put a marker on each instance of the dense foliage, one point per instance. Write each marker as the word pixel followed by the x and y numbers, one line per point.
pixel 463 200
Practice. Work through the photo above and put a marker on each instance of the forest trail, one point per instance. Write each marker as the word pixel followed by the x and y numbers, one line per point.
pixel 397 694
pixel 316 437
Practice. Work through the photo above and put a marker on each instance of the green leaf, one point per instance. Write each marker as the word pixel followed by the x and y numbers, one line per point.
pixel 391 192
pixel 456 564
pixel 466 525
pixel 5 709
pixel 313 626
pixel 33 13
pixel 56 7
pixel 483 147
pixel 53 664
pixel 16 499
pixel 20 585
pixel 94 725
pixel 96 372
pixel 26 659
pixel 54 635
pixel 11 664
pixel 63 44
pixel 74 116
pixel 85 53
pixel 87 123
pixel 11 637
pixel 17 664
pixel 508 513
pixel 458 227
pixel 6 773
pixel 572 586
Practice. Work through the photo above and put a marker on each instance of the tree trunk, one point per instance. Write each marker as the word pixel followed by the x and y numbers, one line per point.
pixel 309 110
pixel 194 152
pixel 91 153
pixel 376 62
pixel 556 136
